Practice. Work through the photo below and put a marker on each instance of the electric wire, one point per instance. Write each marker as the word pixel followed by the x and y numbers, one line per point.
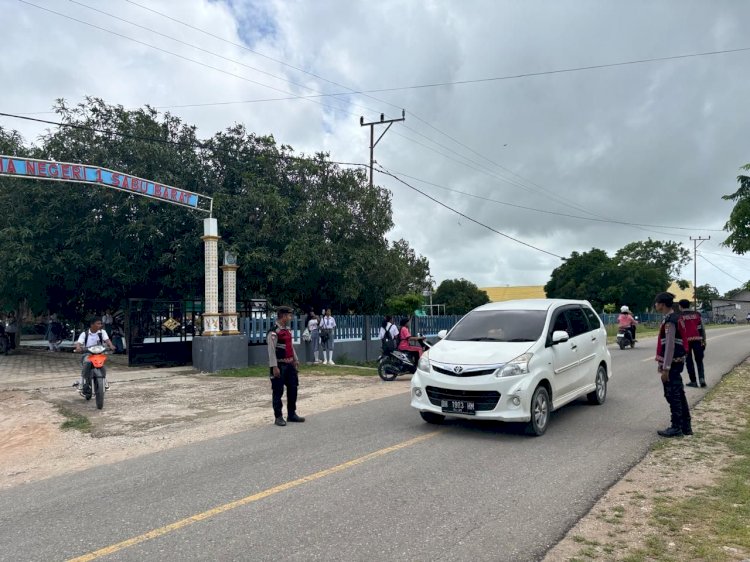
pixel 592 219
pixel 384 171
pixel 717 267
pixel 206 65
pixel 196 144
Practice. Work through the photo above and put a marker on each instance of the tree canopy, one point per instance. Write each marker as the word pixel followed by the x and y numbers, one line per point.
pixel 459 296
pixel 738 224
pixel 306 231
pixel 633 276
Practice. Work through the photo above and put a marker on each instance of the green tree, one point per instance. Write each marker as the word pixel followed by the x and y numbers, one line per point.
pixel 586 276
pixel 668 256
pixel 403 305
pixel 306 231
pixel 738 224
pixel 705 295
pixel 459 296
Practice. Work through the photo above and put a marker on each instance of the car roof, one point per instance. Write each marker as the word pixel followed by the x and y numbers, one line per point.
pixel 531 304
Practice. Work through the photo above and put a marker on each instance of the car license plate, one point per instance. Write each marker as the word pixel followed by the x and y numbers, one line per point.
pixel 458 407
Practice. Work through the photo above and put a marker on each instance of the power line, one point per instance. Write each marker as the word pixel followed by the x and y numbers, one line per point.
pixel 196 144
pixel 593 219
pixel 717 267
pixel 384 171
pixel 307 98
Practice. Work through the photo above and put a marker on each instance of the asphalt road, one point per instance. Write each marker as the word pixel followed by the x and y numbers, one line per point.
pixel 370 482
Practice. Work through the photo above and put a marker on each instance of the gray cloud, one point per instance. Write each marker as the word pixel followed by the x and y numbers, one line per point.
pixel 655 143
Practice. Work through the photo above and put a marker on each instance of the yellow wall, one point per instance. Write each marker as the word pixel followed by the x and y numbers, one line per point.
pixel 498 294
pixel 680 294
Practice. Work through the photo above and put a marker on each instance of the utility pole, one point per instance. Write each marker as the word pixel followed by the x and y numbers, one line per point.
pixel 373 142
pixel 695 267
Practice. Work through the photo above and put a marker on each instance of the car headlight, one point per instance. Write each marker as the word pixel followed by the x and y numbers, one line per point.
pixel 518 366
pixel 424 362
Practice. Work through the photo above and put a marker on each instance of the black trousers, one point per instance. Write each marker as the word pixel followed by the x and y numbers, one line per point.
pixel 290 380
pixel 674 392
pixel 697 351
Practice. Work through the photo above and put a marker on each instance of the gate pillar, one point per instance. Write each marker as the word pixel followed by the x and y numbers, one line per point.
pixel 211 313
pixel 229 314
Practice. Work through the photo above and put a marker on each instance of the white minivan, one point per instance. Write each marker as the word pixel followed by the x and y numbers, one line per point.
pixel 514 361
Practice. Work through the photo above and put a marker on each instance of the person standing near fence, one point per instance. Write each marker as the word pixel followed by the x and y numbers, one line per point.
pixel 283 365
pixel 313 325
pixel 327 334
pixel 692 324
pixel 11 327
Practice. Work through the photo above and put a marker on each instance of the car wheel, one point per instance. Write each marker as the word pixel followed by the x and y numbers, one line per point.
pixel 599 395
pixel 540 412
pixel 431 417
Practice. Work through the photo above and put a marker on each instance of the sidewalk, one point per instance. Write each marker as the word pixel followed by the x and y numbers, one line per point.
pixel 30 369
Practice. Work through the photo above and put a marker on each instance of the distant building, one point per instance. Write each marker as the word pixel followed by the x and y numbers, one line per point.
pixel 738 306
pixel 500 294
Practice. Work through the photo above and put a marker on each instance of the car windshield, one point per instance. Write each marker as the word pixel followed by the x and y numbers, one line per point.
pixel 500 325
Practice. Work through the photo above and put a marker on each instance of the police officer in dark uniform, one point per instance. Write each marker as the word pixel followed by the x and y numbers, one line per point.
pixel 695 334
pixel 670 356
pixel 283 363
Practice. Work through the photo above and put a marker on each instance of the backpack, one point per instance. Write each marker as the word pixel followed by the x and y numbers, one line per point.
pixel 389 342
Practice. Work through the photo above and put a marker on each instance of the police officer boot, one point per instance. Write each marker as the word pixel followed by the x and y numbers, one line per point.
pixel 670 432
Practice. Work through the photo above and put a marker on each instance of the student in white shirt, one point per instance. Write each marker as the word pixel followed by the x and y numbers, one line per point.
pixel 93 336
pixel 327 327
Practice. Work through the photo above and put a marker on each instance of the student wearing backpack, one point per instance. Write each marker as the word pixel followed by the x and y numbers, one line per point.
pixel 388 335
pixel 93 336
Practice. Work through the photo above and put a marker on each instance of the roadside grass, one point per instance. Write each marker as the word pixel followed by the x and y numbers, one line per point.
pixel 74 420
pixel 261 371
pixel 707 521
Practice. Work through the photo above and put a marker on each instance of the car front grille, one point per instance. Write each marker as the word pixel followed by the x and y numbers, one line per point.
pixel 484 400
pixel 463 373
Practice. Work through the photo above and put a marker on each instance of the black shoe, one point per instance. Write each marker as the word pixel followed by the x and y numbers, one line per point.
pixel 703 384
pixel 692 384
pixel 280 421
pixel 670 432
pixel 295 418
pixel 687 431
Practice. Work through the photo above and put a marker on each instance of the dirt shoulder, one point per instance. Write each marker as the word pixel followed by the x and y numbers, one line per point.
pixel 146 416
pixel 686 500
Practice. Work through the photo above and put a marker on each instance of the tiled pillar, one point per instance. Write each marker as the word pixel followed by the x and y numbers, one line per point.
pixel 229 314
pixel 211 305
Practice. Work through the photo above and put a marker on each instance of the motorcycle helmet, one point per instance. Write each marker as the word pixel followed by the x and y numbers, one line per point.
pixel 624 309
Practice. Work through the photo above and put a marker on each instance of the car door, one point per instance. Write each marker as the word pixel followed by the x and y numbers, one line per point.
pixel 587 343
pixel 564 356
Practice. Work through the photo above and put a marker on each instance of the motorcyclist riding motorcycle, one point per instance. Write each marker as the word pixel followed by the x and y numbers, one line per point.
pixel 627 326
pixel 93 336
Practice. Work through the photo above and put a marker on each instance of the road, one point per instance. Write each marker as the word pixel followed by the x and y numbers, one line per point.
pixel 371 482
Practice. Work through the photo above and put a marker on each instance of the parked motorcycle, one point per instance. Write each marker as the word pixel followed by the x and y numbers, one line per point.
pixel 97 385
pixel 625 338
pixel 397 362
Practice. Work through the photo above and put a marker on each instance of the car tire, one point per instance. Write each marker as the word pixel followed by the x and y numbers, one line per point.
pixel 540 412
pixel 598 396
pixel 431 417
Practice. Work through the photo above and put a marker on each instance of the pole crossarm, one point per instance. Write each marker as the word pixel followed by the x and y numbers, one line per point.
pixel 373 142
pixel 31 168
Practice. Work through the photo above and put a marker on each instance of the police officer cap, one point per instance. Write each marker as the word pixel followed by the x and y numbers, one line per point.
pixel 665 298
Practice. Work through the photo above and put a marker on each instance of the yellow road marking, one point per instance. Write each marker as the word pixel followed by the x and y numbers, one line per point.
pixel 161 531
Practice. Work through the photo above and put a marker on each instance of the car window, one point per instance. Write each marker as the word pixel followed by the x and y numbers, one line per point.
pixel 578 323
pixel 560 323
pixel 594 321
pixel 500 325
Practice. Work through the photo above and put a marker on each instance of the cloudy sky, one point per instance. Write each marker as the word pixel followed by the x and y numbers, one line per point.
pixel 627 152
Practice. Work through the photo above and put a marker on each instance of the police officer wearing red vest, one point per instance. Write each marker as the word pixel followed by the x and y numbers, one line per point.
pixel 696 338
pixel 670 356
pixel 283 363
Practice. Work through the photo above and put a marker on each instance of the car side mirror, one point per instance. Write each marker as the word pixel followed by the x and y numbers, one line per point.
pixel 442 333
pixel 559 336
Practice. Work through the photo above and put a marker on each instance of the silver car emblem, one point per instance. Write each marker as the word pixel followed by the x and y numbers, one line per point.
pixel 458 370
